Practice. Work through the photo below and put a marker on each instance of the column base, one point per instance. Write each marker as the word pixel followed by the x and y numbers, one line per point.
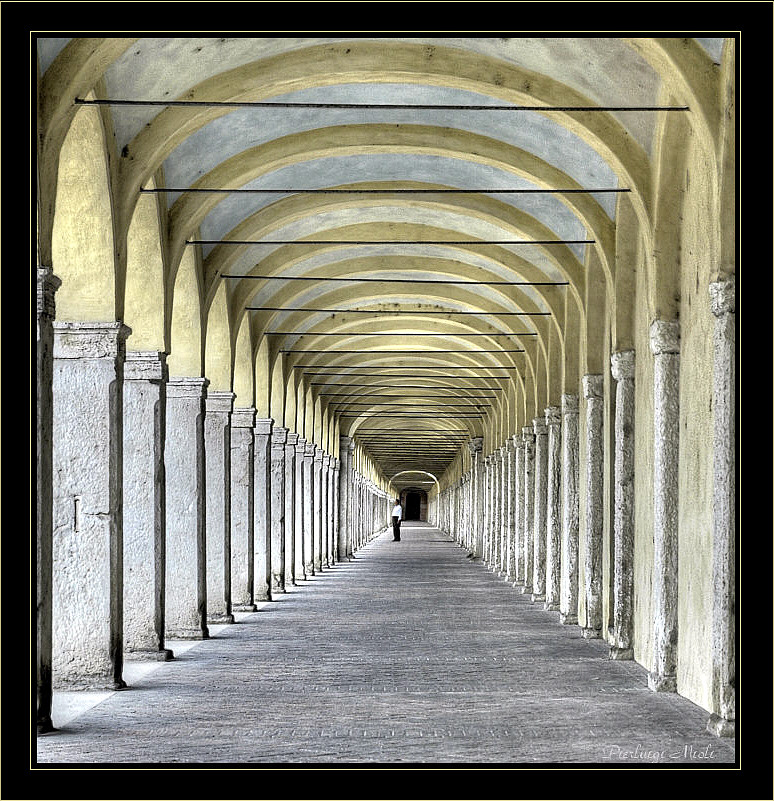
pixel 662 684
pixel 160 655
pixel 620 654
pixel 220 620
pixel 721 727
pixel 537 597
pixel 566 619
pixel 188 634
pixel 45 726
pixel 591 634
pixel 245 608
pixel 551 606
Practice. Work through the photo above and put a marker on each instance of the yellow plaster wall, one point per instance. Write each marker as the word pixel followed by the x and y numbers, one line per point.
pixel 217 352
pixel 243 367
pixel 185 357
pixel 83 255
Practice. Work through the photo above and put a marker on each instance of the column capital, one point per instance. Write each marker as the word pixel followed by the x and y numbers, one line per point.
pixel 279 437
pixel 310 449
pixel 593 386
pixel 518 440
pixel 292 438
pixel 184 386
pixel 263 425
pixel 539 427
pixel 344 441
pixel 723 296
pixel 219 401
pixel 475 444
pixel 622 365
pixel 664 337
pixel 326 460
pixel 527 433
pixel 569 404
pixel 318 454
pixel 243 417
pixel 145 365
pixel 89 340
pixel 48 284
pixel 301 445
pixel 553 415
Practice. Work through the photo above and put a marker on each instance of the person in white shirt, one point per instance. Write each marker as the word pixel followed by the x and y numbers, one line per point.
pixel 397 514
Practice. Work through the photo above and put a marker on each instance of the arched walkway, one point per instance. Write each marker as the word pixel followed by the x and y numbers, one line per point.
pixel 409 654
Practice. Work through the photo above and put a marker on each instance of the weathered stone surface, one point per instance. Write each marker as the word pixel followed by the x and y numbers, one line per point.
pixel 300 513
pixel 665 346
pixel 186 587
pixel 528 518
pixel 309 509
pixel 262 509
pixel 144 504
pixel 723 302
pixel 622 368
pixel 242 509
pixel 568 602
pixel 290 508
pixel 87 521
pixel 47 284
pixel 217 449
pixel 593 393
pixel 553 507
pixel 278 442
pixel 539 528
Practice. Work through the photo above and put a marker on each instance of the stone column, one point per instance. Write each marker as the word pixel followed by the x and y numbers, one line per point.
pixel 622 368
pixel 722 721
pixel 338 553
pixel 518 510
pixel 475 445
pixel 504 513
pixel 317 508
pixel 217 452
pixel 344 474
pixel 324 469
pixel 262 509
pixel 510 492
pixel 553 508
pixel 309 509
pixel 87 505
pixel 488 522
pixel 329 506
pixel 593 393
pixel 186 576
pixel 47 284
pixel 145 403
pixel 568 601
pixel 242 509
pixel 278 442
pixel 665 346
pixel 299 512
pixel 528 438
pixel 290 508
pixel 539 530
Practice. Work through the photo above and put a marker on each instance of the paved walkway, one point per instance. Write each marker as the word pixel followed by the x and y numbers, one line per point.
pixel 411 653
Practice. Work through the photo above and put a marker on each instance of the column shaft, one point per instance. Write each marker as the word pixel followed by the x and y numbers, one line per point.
pixel 186 577
pixel 722 722
pixel 47 284
pixel 593 393
pixel 242 509
pixel 290 508
pixel 262 509
pixel 309 510
pixel 87 504
pixel 568 602
pixel 300 536
pixel 665 346
pixel 528 519
pixel 622 368
pixel 278 442
pixel 553 508
pixel 317 507
pixel 144 512
pixel 217 450
pixel 518 517
pixel 539 529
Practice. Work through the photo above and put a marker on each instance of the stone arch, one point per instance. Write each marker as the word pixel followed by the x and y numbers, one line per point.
pixel 243 371
pixel 262 380
pixel 277 392
pixel 217 347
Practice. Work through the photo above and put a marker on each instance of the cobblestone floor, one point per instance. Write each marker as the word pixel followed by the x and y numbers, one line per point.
pixel 410 654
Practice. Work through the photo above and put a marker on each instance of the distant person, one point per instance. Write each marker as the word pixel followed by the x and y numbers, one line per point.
pixel 397 514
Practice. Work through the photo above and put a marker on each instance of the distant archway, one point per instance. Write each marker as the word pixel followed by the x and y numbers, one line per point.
pixel 414 502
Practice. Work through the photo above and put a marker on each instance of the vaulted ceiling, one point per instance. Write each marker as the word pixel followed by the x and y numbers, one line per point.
pixel 452 226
